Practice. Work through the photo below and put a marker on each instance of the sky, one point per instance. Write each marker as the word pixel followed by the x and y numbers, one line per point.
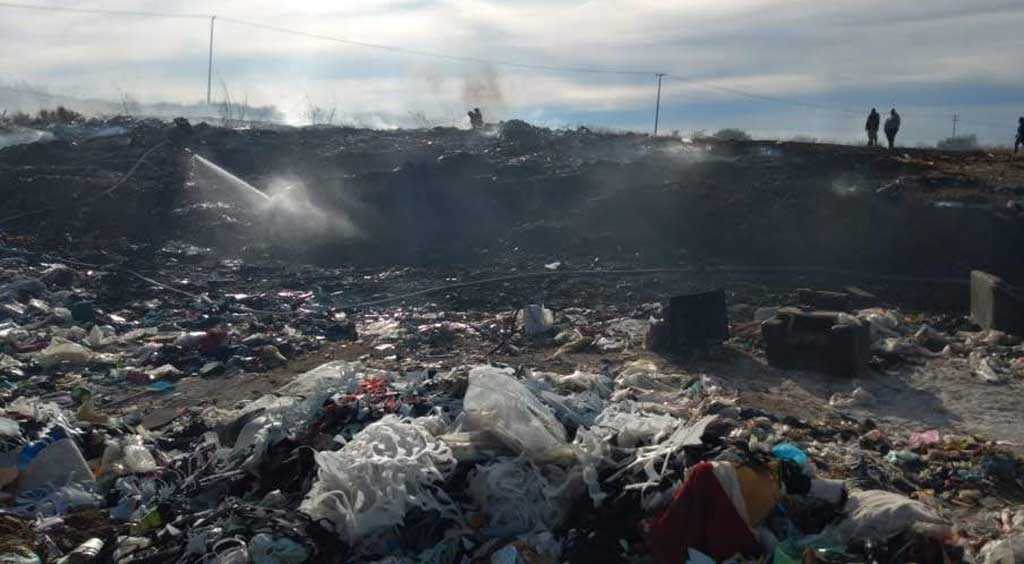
pixel 776 68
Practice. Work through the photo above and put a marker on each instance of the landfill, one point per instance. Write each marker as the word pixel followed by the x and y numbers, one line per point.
pixel 186 404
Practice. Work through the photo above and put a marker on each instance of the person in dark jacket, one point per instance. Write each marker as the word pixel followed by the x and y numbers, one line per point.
pixel 476 118
pixel 872 127
pixel 1020 136
pixel 892 127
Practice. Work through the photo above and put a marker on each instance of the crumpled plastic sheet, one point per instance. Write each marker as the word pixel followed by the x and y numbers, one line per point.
pixel 53 501
pixel 138 496
pixel 573 410
pixel 369 484
pixel 1009 550
pixel 626 426
pixel 883 323
pixel 880 515
pixel 645 375
pixel 648 458
pixel 594 455
pixel 498 403
pixel 577 382
pixel 294 405
pixel 518 496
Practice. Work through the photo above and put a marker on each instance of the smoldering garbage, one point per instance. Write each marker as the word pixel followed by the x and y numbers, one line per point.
pixel 460 434
pixel 283 478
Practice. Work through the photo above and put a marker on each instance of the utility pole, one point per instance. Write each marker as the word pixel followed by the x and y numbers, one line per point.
pixel 657 105
pixel 956 118
pixel 209 63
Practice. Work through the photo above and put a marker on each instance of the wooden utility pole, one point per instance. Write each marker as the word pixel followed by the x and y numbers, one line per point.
pixel 209 63
pixel 657 105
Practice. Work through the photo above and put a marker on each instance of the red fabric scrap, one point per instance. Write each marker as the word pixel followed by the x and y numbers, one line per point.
pixel 700 516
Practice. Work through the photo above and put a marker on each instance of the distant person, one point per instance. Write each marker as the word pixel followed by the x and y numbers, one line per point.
pixel 1020 136
pixel 872 127
pixel 476 118
pixel 892 127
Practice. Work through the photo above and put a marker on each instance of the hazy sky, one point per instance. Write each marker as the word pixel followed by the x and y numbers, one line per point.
pixel 929 58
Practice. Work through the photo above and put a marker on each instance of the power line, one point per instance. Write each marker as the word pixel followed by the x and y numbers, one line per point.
pixel 435 55
pixel 747 94
pixel 101 12
pixel 345 41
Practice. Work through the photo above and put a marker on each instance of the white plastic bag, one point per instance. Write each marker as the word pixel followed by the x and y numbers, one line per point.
pixel 498 403
pixel 388 468
pixel 62 350
pixel 1009 550
pixel 880 515
pixel 625 426
pixel 518 496
pixel 537 319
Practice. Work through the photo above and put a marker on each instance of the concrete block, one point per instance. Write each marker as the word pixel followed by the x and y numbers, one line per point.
pixel 995 304
pixel 698 319
pixel 818 340
pixel 820 299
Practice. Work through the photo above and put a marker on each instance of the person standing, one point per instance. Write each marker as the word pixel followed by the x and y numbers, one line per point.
pixel 872 127
pixel 1020 136
pixel 476 118
pixel 892 127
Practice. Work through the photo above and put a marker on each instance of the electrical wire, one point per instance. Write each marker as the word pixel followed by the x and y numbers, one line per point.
pixel 101 12
pixel 435 55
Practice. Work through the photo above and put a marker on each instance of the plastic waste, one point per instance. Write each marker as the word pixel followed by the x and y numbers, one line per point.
pixel 789 451
pixel 235 555
pixel 883 323
pixel 62 350
pixel 1008 550
pixel 593 454
pixel 694 556
pixel 537 319
pixel 537 548
pixel 9 429
pixel 924 438
pixel 161 386
pixel 900 457
pixel 99 338
pixel 389 467
pixel 265 549
pixel 49 501
pixel 85 552
pixel 880 515
pixel 626 426
pixel 292 405
pixel 20 558
pixel 127 456
pixel 827 546
pixel 859 397
pixel 498 403
pixel 129 545
pixel 577 382
pixel 518 496
pixel 990 372
pixel 54 460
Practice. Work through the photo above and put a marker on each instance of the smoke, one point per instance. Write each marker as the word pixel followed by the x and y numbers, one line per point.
pixel 483 90
pixel 290 213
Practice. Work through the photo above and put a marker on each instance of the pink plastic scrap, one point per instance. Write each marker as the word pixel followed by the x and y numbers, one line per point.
pixel 924 438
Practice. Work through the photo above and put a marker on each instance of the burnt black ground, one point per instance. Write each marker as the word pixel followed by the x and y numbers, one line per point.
pixel 447 197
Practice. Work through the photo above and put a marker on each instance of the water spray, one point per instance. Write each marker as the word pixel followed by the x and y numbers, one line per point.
pixel 250 192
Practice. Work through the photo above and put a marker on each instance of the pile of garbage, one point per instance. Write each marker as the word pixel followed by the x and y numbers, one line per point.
pixel 83 328
pixel 391 458
pixel 348 463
